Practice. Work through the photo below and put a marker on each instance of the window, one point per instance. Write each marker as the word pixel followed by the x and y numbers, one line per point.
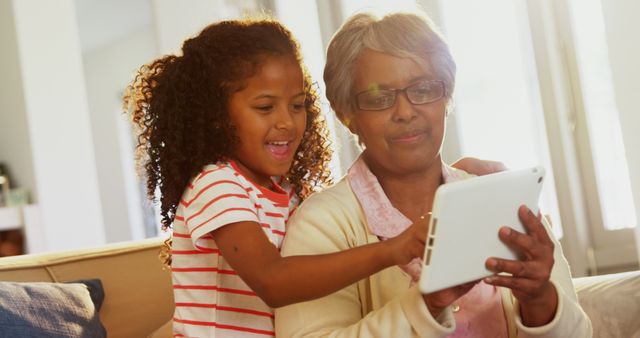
pixel 607 148
pixel 533 88
pixel 499 115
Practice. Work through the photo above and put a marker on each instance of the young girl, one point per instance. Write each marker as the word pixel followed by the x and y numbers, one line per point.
pixel 230 136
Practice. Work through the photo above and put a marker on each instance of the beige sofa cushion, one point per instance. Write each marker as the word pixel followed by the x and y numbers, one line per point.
pixel 612 303
pixel 138 292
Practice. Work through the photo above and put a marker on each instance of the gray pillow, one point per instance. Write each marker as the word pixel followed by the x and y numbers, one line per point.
pixel 68 310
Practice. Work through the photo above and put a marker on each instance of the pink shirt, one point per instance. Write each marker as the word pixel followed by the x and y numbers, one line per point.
pixel 480 311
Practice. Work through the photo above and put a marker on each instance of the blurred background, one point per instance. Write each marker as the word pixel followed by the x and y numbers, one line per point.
pixel 551 82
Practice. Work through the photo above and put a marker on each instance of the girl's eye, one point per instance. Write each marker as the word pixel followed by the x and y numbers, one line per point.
pixel 265 109
pixel 298 106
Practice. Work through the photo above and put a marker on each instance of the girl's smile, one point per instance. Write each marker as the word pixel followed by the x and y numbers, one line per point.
pixel 280 150
pixel 269 117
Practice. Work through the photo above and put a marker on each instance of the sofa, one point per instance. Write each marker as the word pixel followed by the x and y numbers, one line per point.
pixel 139 301
pixel 138 298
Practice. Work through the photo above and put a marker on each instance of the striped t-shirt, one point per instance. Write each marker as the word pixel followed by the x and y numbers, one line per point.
pixel 211 299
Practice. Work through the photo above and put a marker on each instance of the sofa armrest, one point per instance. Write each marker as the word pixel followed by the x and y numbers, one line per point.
pixel 138 291
pixel 612 302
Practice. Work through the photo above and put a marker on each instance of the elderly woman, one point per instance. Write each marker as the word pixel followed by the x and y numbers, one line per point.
pixel 390 81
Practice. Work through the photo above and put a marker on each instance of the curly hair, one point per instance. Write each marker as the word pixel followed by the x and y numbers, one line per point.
pixel 179 107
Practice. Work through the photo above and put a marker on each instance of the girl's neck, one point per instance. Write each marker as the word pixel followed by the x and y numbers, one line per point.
pixel 256 178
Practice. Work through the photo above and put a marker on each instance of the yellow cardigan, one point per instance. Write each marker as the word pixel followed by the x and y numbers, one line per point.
pixel 384 305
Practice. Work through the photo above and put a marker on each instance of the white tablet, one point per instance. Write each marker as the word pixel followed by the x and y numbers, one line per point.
pixel 465 219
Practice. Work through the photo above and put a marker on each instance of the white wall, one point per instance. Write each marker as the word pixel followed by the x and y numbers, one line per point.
pixel 69 143
pixel 15 147
pixel 57 115
pixel 108 71
pixel 622 27
pixel 175 21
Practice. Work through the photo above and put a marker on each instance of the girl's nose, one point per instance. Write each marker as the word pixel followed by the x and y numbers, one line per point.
pixel 285 120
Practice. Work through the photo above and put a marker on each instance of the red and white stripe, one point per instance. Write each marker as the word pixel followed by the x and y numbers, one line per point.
pixel 211 299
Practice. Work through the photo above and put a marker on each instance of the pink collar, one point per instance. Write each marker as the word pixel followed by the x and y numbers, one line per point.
pixel 480 310
pixel 383 219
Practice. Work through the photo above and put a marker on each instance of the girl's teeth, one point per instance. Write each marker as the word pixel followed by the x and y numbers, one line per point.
pixel 279 150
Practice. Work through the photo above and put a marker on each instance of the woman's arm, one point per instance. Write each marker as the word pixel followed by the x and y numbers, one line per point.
pixel 380 306
pixel 281 281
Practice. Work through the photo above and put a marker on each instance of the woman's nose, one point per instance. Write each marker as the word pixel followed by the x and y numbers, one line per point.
pixel 403 110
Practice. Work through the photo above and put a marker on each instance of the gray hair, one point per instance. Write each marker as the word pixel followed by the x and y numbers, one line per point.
pixel 405 35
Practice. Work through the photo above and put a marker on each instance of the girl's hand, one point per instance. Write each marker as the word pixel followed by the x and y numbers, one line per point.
pixel 479 167
pixel 409 244
pixel 529 280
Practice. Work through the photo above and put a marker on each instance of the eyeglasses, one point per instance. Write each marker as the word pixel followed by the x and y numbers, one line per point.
pixel 422 92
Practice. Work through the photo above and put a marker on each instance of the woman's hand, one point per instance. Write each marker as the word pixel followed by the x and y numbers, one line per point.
pixel 479 167
pixel 529 280
pixel 437 301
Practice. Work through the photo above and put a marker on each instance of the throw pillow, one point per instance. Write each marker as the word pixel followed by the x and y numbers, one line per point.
pixel 38 309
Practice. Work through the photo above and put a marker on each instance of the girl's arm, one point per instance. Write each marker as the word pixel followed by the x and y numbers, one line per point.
pixel 479 167
pixel 281 281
